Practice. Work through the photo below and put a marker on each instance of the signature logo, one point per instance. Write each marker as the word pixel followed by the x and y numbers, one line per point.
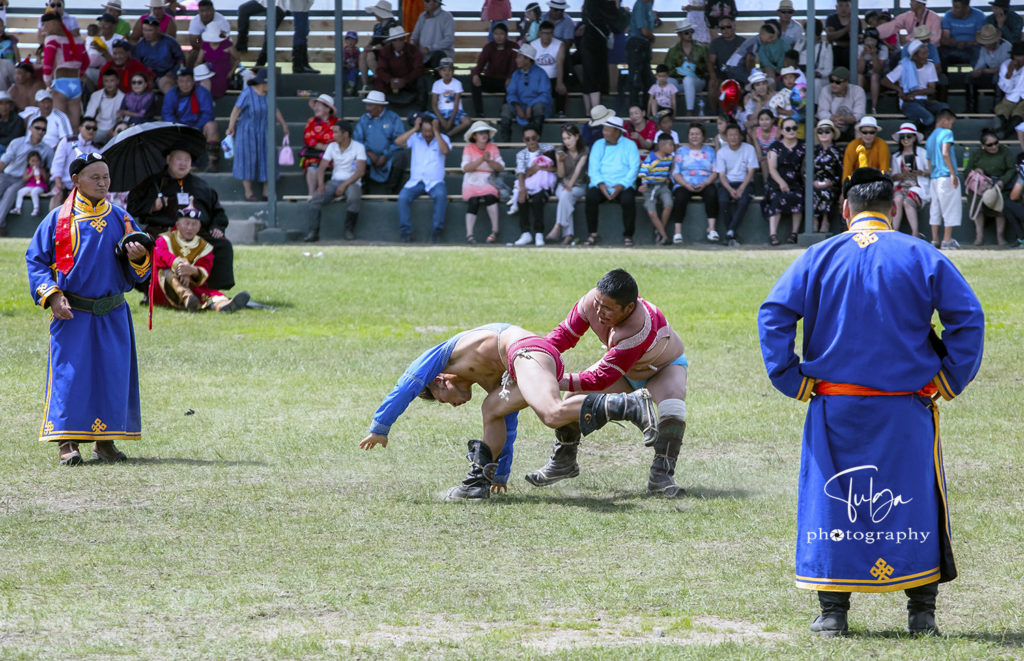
pixel 879 503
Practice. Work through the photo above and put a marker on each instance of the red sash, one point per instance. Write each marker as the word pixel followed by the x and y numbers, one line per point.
pixel 62 239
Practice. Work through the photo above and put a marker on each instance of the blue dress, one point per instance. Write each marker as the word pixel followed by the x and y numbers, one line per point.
pixel 251 137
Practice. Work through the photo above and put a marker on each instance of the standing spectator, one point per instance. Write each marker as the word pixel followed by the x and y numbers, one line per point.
pixel 1010 111
pixel 348 160
pixel 551 57
pixel 8 44
pixel 946 208
pixel 994 162
pixel 217 59
pixel 837 31
pixel 693 173
pixel 299 10
pixel 571 167
pixel 494 67
pixel 720 52
pixel 14 161
pixel 350 55
pixel 378 130
pixel 528 97
pixel 446 100
pixel 993 52
pixel 959 27
pixel 164 22
pixel 319 133
pixel 26 86
pixel 688 60
pixel 139 105
pixel 600 20
pixel 113 7
pixel 11 124
pixel 612 169
pixel 158 52
pixel 100 47
pixel 126 66
pixel 104 106
pixel 187 103
pixel 400 72
pixel 246 11
pixel 565 27
pixel 639 129
pixel 915 88
pixel 828 172
pixel 638 50
pixel 434 34
pixel 206 18
pixel 385 21
pixel 735 164
pixel 656 186
pixel 910 174
pixel 68 149
pixel 918 15
pixel 249 121
pixel 1008 22
pixel 842 102
pixel 429 148
pixel 481 161
pixel 57 123
pixel 866 151
pixel 872 64
pixel 824 61
pixel 495 12
pixel 695 14
pixel 789 30
pixel 64 64
pixel 715 11
pixel 784 192
pixel 535 180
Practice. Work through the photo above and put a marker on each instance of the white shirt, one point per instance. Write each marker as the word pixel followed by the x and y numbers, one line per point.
pixel 734 164
pixel 96 59
pixel 345 162
pixel 1014 86
pixel 57 125
pixel 196 26
pixel 446 93
pixel 925 75
pixel 427 162
pixel 547 58
pixel 66 152
pixel 104 109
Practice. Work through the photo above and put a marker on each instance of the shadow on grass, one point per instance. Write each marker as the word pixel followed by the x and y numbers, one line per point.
pixel 182 461
pixel 1001 638
pixel 711 493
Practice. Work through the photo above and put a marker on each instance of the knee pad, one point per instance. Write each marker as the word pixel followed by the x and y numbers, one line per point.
pixel 672 408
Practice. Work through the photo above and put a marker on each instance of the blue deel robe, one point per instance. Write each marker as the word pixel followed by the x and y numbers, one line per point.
pixel 92 377
pixel 421 372
pixel 872 513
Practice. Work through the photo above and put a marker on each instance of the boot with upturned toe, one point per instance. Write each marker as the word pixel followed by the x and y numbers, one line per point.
pixel 562 462
pixel 476 485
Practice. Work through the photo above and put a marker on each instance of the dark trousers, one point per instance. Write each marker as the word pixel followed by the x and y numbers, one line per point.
pixel 681 198
pixel 533 210
pixel 1014 212
pixel 638 59
pixel 415 92
pixel 561 100
pixel 245 12
pixel 487 84
pixel 982 82
pixel 222 275
pixel 509 115
pixel 732 210
pixel 594 56
pixel 919 599
pixel 626 199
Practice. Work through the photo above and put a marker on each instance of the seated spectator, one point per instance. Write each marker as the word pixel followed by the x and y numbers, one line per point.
pixel 529 24
pixel 248 123
pixel 205 19
pixel 182 262
pixel 1008 22
pixel 571 168
pixel 565 27
pixel 446 100
pixel 33 183
pixel 789 29
pixel 772 50
pixel 139 105
pixel 11 124
pixel 158 52
pixel 126 66
pixel 26 85
pixel 381 29
pixel 994 162
pixel 914 84
pixel 481 160
pixel 687 62
pixel 192 105
pixel 113 7
pixel 639 129
pixel 14 162
pixel 1013 209
pixel 495 12
pixel 57 123
pixel 528 96
pixel 664 122
pixel 159 18
pixel 535 181
pixel 720 52
pixel 784 190
pixel 735 164
pixel 662 95
pixel 217 59
pixel 155 200
pixel 656 185
pixel 68 149
pixel 789 100
pixel 911 173
pixel 959 27
pixel 429 148
pixel 872 64
pixel 100 47
pixel 8 44
pixel 434 34
pixel 350 63
pixel 551 57
pixel 693 173
pixel 400 74
pixel 762 136
pixel 756 100
pixel 612 168
pixel 823 56
pixel 6 73
pixel 866 151
pixel 993 51
pixel 842 102
pixel 1010 111
pixel 377 130
pixel 105 106
pixel 348 160
pixel 64 64
pixel 494 67
pixel 316 137
pixel 828 169
pixel 918 16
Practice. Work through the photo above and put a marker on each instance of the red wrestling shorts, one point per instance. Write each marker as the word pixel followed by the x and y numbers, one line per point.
pixel 534 343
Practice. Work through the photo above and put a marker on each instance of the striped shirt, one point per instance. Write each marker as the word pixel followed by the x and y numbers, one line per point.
pixel 656 169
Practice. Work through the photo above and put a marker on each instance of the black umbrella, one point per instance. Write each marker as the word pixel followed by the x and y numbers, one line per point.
pixel 138 152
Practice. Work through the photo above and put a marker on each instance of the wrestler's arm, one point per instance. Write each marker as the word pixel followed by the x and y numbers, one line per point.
pixel 612 366
pixel 963 331
pixel 568 332
pixel 505 458
pixel 776 325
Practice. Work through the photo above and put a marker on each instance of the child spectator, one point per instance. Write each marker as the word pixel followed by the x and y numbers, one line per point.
pixel 350 63
pixel 721 124
pixel 662 93
pixel 33 183
pixel 947 208
pixel 535 181
pixel 789 101
pixel 664 119
pixel 529 25
pixel 656 185
pixel 480 161
pixel 872 64
pixel 138 106
pixel 757 99
pixel 446 100
pixel 762 136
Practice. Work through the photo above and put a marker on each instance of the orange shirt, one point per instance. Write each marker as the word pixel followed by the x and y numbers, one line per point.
pixel 876 157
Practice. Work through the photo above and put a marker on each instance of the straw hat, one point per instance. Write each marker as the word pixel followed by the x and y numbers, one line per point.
pixel 988 35
pixel 922 32
pixel 480 125
pixel 683 25
pixel 529 51
pixel 827 123
pixel 867 121
pixel 201 73
pixel 377 97
pixel 212 34
pixel 328 101
pixel 381 10
pixel 600 114
pixel 789 71
pixel 396 33
pixel 907 128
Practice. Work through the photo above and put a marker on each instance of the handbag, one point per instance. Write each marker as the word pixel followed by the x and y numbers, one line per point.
pixel 977 183
pixel 287 157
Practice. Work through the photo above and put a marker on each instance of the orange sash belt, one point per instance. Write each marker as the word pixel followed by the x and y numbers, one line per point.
pixel 829 388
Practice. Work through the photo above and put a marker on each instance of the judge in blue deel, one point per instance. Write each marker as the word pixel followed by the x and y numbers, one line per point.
pixel 82 259
pixel 872 513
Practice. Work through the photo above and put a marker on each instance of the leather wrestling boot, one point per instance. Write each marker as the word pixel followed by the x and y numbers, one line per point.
pixel 477 484
pixel 666 453
pixel 832 621
pixel 636 407
pixel 921 610
pixel 562 462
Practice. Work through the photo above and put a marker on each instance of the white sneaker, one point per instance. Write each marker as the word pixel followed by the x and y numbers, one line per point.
pixel 677 239
pixel 538 239
pixel 524 239
pixel 713 235
pixel 513 206
pixel 952 244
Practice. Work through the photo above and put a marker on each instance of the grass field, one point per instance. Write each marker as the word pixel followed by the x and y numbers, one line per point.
pixel 255 528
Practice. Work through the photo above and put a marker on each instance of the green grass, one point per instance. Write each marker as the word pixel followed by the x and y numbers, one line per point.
pixel 256 528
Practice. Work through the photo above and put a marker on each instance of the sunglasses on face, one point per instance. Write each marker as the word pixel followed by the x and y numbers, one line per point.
pixel 990 144
pixel 686 32
pixel 789 128
pixel 907 137
pixel 824 131
pixel 38 128
pixel 871 132
pixel 786 11
pixel 55 5
pixel 90 127
pixel 724 27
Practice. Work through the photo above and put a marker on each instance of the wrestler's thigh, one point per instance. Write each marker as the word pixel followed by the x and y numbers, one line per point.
pixel 497 406
pixel 535 375
pixel 668 383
